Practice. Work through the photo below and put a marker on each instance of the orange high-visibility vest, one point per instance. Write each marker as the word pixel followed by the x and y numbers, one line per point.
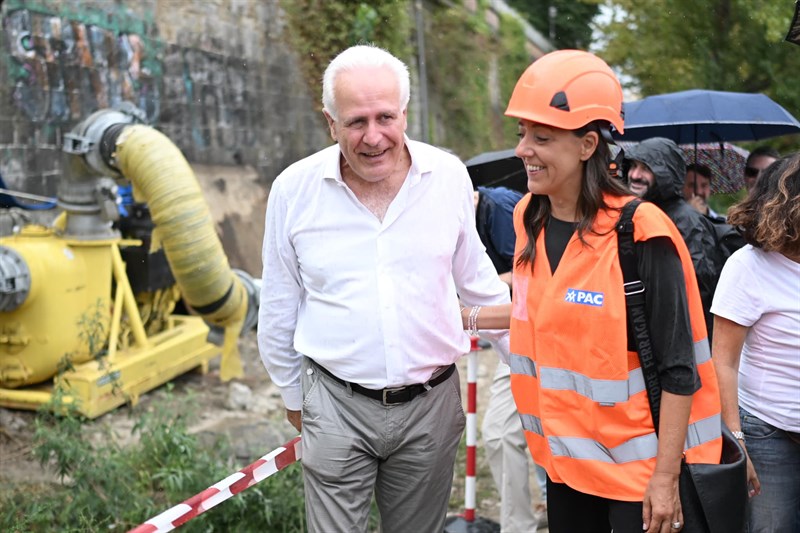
pixel 579 392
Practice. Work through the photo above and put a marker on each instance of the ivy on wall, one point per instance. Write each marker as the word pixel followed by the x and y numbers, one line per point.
pixel 458 56
pixel 461 51
pixel 513 60
pixel 320 29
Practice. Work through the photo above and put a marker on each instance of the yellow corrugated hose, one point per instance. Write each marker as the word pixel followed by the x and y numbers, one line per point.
pixel 158 170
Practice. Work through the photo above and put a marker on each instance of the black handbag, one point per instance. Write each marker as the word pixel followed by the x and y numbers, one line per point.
pixel 713 496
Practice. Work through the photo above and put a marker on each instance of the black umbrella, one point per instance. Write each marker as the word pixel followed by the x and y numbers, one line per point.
pixel 498 169
pixel 701 116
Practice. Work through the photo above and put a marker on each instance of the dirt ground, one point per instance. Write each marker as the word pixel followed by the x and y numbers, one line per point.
pixel 252 417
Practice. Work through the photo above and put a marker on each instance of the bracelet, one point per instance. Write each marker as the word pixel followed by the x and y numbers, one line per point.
pixel 738 435
pixel 472 322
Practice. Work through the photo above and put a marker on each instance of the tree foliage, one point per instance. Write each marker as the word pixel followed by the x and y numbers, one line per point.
pixel 572 28
pixel 725 45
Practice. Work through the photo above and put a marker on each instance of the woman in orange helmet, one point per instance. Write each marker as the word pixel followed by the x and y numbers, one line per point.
pixel 576 380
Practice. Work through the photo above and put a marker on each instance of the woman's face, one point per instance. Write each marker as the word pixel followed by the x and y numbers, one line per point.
pixel 553 158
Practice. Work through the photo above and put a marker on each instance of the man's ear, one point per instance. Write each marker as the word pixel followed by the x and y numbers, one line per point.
pixel 331 125
pixel 589 145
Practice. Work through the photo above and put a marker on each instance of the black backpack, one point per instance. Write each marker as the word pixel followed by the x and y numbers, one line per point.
pixel 728 239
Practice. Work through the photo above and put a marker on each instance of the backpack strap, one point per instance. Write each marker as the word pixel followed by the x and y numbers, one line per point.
pixel 635 307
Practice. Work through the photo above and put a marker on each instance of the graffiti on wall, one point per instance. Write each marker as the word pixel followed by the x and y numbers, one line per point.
pixel 62 67
pixel 61 70
pixel 219 93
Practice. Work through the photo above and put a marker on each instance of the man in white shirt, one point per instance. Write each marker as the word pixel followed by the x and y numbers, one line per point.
pixel 368 245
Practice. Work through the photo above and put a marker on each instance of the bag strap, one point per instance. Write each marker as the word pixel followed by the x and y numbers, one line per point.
pixel 635 307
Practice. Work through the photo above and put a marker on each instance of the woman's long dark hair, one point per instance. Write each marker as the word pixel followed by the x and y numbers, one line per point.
pixel 596 181
pixel 769 218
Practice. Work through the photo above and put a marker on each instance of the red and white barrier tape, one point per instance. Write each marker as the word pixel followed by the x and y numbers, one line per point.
pixel 472 430
pixel 276 460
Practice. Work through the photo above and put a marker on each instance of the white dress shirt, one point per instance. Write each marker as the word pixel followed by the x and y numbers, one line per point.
pixel 376 303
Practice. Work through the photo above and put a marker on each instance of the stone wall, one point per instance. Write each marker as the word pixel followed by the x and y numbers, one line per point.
pixel 217 77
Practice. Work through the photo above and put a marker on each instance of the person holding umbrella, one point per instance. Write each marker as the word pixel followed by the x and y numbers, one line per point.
pixel 586 420
pixel 697 189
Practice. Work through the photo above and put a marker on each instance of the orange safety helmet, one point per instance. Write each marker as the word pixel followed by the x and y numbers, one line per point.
pixel 568 89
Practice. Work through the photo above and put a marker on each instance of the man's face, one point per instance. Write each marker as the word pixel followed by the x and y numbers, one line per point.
pixel 370 123
pixel 640 178
pixel 696 185
pixel 754 169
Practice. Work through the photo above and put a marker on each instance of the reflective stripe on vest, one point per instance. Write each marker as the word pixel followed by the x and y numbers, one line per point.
pixel 636 449
pixel 522 365
pixel 602 391
pixel 532 423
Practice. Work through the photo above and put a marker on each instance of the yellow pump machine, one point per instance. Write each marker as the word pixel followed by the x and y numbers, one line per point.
pixel 88 305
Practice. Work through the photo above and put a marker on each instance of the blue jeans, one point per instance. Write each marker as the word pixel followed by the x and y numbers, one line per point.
pixel 776 457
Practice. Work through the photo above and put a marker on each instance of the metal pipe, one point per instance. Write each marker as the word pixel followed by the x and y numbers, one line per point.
pixel 28 196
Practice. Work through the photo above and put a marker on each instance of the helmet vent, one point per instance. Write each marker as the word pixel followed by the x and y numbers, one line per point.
pixel 559 101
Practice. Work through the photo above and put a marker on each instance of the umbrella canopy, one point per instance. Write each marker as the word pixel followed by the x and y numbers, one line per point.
pixel 498 169
pixel 700 116
pixel 726 162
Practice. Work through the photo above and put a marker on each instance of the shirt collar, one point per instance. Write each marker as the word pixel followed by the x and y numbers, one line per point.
pixel 419 164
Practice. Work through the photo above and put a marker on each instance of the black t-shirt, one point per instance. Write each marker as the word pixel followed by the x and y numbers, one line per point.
pixel 665 301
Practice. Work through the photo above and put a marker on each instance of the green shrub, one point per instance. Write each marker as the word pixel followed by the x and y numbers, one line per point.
pixel 106 485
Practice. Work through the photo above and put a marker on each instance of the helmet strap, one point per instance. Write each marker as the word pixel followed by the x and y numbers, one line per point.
pixel 605 132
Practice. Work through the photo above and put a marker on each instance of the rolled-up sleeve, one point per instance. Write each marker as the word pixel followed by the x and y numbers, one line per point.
pixel 281 292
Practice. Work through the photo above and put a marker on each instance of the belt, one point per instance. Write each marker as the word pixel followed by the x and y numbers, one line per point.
pixel 393 395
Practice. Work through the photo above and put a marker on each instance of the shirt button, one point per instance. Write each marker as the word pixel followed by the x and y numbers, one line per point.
pixel 309 371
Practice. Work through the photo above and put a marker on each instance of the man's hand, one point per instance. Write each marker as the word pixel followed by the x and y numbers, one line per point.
pixel 699 203
pixel 662 504
pixel 295 418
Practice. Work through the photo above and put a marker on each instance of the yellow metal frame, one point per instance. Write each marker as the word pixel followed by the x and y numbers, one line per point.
pixel 99 386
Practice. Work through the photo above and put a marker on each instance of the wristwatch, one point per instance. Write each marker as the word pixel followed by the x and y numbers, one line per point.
pixel 739 435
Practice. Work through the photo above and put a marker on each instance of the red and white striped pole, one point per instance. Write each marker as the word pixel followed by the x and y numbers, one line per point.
pixel 472 429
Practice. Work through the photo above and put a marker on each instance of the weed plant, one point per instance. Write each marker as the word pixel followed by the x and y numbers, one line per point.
pixel 104 485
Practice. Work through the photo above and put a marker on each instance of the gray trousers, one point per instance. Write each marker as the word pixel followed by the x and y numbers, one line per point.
pixel 509 458
pixel 353 445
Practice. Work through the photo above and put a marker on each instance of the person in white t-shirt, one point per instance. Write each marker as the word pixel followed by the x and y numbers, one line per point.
pixel 756 346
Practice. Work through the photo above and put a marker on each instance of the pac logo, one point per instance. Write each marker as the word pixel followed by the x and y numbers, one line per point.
pixel 577 296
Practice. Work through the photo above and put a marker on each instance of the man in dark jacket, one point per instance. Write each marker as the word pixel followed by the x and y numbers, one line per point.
pixel 494 218
pixel 506 449
pixel 655 170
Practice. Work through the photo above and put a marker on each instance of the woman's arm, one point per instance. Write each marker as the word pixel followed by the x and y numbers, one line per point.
pixel 489 316
pixel 726 351
pixel 661 504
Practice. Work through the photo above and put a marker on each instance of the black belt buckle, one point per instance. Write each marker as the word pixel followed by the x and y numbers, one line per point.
pixel 391 391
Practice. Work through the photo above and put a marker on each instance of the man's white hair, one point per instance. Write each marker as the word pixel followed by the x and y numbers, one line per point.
pixel 362 56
